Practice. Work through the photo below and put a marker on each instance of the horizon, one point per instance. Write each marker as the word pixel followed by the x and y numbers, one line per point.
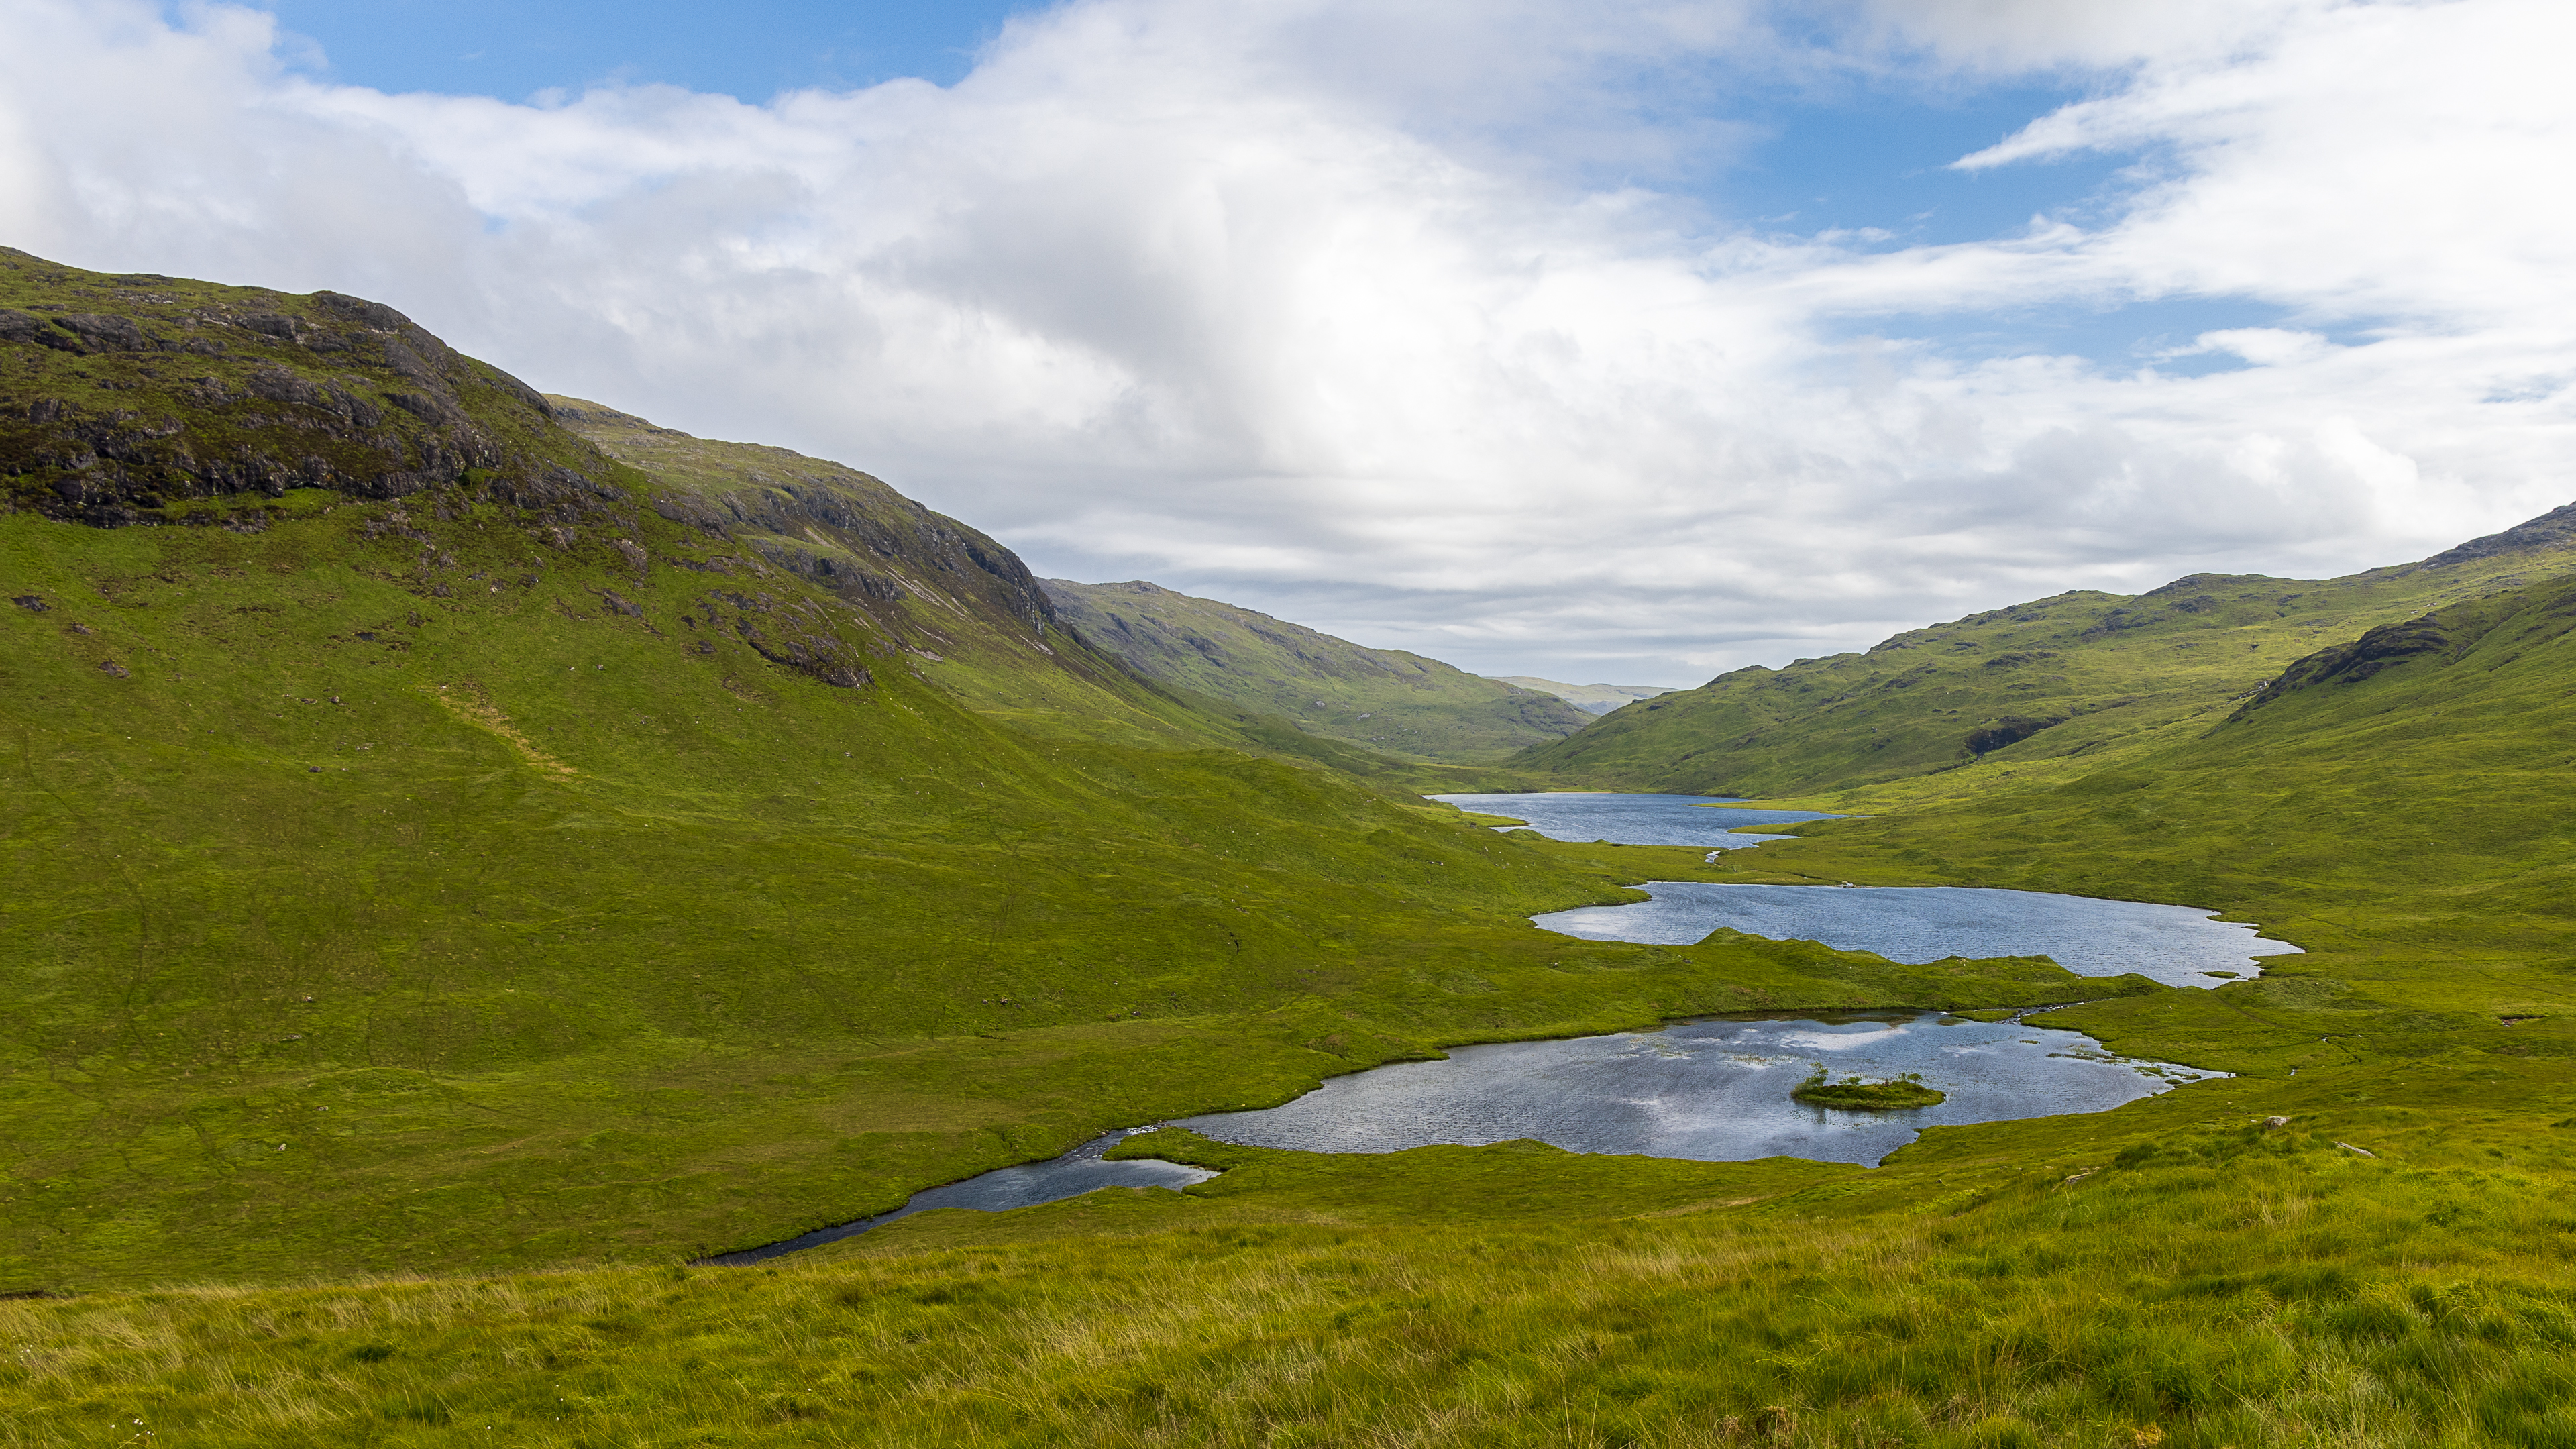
pixel 1651 343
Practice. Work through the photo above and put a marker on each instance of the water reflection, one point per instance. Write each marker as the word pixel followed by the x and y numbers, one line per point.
pixel 1626 819
pixel 1075 1173
pixel 2177 945
pixel 1713 1090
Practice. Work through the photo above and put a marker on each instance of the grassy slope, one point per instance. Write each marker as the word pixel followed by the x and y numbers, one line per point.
pixel 1387 700
pixel 2167 1273
pixel 2406 818
pixel 443 881
pixel 857 538
pixel 2107 674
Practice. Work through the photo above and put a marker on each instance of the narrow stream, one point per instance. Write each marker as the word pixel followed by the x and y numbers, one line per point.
pixel 1004 1188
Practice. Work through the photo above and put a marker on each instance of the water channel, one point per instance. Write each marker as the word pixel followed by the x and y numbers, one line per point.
pixel 1030 1183
pixel 1715 1090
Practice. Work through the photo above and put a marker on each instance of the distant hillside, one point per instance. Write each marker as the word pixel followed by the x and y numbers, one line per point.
pixel 2416 776
pixel 1391 701
pixel 2082 673
pixel 1589 698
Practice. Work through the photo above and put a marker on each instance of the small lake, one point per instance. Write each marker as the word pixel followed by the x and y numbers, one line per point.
pixel 1632 819
pixel 1713 1090
pixel 2177 945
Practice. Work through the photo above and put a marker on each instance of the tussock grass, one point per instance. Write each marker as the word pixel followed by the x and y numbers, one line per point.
pixel 2232 1288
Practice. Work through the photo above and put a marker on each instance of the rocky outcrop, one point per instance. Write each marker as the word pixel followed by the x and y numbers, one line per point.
pixel 822 522
pixel 798 638
pixel 2552 530
pixel 2012 729
pixel 2378 649
pixel 191 394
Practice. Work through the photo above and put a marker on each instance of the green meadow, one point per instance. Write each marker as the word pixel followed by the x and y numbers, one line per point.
pixel 456 881
pixel 2213 1283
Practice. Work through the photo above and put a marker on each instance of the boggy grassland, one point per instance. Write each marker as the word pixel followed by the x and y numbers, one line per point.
pixel 455 881
pixel 2218 1285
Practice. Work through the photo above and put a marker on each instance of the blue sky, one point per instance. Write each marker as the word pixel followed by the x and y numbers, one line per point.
pixel 747 48
pixel 1836 155
pixel 1846 155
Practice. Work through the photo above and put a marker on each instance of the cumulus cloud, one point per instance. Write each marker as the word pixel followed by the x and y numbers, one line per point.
pixel 1329 310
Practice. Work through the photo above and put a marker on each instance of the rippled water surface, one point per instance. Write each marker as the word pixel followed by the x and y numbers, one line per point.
pixel 2176 945
pixel 1713 1090
pixel 1632 819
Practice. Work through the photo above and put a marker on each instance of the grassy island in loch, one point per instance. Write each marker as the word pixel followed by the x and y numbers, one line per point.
pixel 1854 1095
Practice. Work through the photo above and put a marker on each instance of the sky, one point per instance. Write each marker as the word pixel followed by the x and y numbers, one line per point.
pixel 1634 341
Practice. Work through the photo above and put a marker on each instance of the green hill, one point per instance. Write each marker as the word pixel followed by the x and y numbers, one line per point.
pixel 2081 674
pixel 2406 798
pixel 1387 700
pixel 453 842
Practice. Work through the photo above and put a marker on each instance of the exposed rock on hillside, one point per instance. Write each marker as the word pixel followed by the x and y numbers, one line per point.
pixel 2555 529
pixel 143 400
pixel 2543 613
pixel 149 401
pixel 835 526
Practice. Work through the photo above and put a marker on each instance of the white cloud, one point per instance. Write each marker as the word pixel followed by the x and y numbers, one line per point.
pixel 2264 346
pixel 1305 304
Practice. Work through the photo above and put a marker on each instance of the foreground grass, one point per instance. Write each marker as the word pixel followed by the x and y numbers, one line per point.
pixel 2218 1286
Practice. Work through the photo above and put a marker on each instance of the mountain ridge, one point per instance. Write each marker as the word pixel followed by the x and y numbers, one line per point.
pixel 1389 700
pixel 2082 672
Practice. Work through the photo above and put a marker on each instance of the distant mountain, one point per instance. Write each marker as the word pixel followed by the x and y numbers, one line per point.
pixel 1393 702
pixel 1589 698
pixel 2082 673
